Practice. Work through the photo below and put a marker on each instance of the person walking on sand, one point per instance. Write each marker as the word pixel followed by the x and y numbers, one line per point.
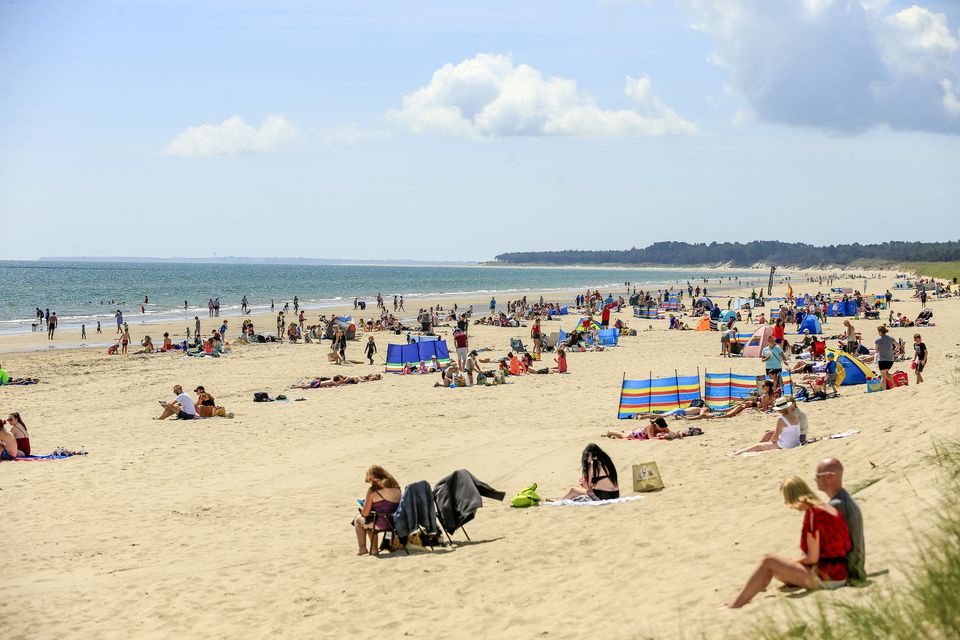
pixel 919 356
pixel 371 349
pixel 461 342
pixel 119 318
pixel 83 332
pixel 51 325
pixel 99 331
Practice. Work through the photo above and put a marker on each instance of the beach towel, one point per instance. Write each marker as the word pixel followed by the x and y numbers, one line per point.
pixel 590 503
pixel 50 456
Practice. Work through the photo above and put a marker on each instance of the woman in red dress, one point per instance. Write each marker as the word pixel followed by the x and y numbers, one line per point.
pixel 825 542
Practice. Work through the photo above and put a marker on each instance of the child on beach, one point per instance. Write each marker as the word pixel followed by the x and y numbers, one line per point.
pixel 371 349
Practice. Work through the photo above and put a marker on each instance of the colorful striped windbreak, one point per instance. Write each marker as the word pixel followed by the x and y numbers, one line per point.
pixel 657 395
pixel 721 390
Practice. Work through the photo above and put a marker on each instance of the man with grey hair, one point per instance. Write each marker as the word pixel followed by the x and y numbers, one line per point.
pixel 830 481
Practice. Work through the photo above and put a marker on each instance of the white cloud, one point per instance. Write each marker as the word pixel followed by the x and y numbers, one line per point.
pixel 489 96
pixel 840 65
pixel 232 136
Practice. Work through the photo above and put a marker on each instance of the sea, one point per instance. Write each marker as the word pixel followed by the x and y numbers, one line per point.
pixel 87 292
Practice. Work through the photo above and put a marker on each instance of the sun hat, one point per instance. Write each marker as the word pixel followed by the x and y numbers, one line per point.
pixel 782 403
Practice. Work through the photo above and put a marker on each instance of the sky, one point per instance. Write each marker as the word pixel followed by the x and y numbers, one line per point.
pixel 457 131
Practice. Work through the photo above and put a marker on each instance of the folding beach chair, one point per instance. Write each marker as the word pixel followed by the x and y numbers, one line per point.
pixel 549 343
pixel 516 345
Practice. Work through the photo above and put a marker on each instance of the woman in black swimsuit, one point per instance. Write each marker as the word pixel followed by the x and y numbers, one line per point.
pixel 598 476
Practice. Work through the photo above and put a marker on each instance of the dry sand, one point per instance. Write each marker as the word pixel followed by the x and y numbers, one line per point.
pixel 240 528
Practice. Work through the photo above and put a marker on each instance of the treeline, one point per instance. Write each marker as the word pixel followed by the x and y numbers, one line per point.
pixel 794 254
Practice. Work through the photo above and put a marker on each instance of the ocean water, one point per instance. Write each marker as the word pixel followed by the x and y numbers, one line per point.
pixel 85 292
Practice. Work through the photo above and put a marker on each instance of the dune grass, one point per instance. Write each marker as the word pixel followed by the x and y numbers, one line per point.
pixel 942 270
pixel 927 606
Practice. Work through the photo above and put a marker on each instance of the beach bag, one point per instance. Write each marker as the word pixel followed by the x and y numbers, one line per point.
pixel 526 497
pixel 900 379
pixel 646 477
pixel 261 396
pixel 874 385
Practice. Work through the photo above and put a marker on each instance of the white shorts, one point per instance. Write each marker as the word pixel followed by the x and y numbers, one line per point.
pixel 462 352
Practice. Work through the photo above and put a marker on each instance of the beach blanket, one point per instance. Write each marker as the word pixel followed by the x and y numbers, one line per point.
pixel 590 503
pixel 49 456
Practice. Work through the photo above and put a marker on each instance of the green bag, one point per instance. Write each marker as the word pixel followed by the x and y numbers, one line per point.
pixel 526 497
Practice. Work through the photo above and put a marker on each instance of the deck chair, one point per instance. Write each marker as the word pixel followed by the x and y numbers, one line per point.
pixel 549 343
pixel 516 345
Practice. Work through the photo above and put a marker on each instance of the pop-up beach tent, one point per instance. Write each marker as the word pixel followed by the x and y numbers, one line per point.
pixel 850 370
pixel 704 324
pixel 727 316
pixel 345 323
pixel 400 355
pixel 812 324
pixel 757 342
pixel 586 324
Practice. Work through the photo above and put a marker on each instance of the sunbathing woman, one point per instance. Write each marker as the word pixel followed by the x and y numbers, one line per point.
pixel 598 476
pixel 825 542
pixel 19 431
pixel 764 402
pixel 381 501
pixel 649 432
pixel 786 435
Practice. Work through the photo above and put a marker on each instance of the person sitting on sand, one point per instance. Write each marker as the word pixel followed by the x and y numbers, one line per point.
pixel 648 432
pixel 182 406
pixel 447 377
pixel 516 367
pixel 8 443
pixel 825 542
pixel 147 346
pixel 598 476
pixel 19 432
pixel 205 403
pixel 561 361
pixel 786 435
pixel 381 501
pixel 167 342
pixel 6 379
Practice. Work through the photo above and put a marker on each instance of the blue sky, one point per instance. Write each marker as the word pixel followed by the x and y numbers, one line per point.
pixel 457 131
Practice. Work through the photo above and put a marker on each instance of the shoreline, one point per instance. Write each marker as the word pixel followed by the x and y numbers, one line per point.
pixel 68 334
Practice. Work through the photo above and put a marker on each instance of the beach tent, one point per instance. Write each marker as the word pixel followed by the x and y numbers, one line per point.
pixel 812 324
pixel 727 316
pixel 757 342
pixel 721 390
pixel 345 323
pixel 423 338
pixel 744 338
pixel 741 303
pixel 672 304
pixel 704 324
pixel 400 355
pixel 586 324
pixel 634 300
pixel 850 370
pixel 657 395
pixel 706 303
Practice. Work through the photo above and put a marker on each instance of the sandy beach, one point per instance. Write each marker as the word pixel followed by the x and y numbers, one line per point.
pixel 240 528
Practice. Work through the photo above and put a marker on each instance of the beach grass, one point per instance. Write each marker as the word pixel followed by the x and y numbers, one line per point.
pixel 942 270
pixel 928 606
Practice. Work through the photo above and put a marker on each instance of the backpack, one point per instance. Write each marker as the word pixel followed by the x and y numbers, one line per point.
pixel 526 497
pixel 261 396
